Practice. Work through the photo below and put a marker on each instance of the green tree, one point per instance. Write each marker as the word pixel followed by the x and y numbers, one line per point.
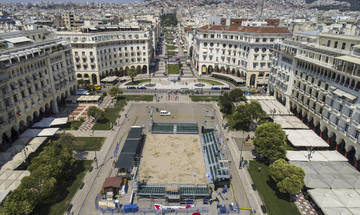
pixel 237 95
pixel 256 111
pixel 132 74
pixel 100 116
pixel 92 111
pixel 52 165
pixel 20 201
pixel 288 178
pixel 241 118
pixel 225 104
pixel 270 141
pixel 115 91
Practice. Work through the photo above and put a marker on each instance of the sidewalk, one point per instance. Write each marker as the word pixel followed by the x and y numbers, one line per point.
pixel 103 156
pixel 95 133
pixel 252 196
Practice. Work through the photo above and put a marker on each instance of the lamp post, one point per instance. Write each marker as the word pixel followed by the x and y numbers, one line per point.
pixel 95 159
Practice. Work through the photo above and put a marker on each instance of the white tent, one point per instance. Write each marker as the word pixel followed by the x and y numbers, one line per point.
pixel 337 201
pixel 48 132
pixel 50 121
pixel 315 156
pixel 305 138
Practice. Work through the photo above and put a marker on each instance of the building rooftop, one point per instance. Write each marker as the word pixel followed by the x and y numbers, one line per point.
pixel 247 29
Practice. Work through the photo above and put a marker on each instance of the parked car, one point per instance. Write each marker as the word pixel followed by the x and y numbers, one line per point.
pixel 215 88
pixel 131 87
pixel 225 88
pixel 142 88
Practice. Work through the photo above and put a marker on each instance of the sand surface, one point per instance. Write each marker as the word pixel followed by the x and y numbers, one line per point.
pixel 172 159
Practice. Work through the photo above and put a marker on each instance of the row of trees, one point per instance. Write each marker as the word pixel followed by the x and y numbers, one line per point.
pixel 270 141
pixel 242 116
pixel 48 172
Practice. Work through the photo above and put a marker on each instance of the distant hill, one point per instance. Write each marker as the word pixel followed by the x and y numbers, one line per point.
pixel 355 4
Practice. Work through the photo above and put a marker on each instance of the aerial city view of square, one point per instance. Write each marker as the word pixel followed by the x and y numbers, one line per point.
pixel 180 107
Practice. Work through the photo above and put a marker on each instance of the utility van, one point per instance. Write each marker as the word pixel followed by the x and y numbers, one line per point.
pixel 165 113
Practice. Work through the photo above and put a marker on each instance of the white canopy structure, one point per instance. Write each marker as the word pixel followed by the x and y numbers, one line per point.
pixel 329 174
pixel 3 194
pixel 289 122
pixel 271 106
pixel 50 121
pixel 11 179
pixel 88 99
pixel 315 156
pixel 25 151
pixel 48 132
pixel 110 79
pixel 337 201
pixel 304 138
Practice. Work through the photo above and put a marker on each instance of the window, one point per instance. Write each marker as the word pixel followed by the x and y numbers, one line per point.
pixel 328 43
pixel 343 46
pixel 336 44
pixel 205 44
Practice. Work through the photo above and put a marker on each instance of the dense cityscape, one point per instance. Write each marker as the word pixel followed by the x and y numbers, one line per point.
pixel 180 107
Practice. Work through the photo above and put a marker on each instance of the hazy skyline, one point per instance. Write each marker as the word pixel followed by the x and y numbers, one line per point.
pixel 59 1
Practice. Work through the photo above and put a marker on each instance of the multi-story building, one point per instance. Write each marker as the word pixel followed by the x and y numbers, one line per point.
pixel 318 78
pixel 36 75
pixel 109 50
pixel 69 20
pixel 241 51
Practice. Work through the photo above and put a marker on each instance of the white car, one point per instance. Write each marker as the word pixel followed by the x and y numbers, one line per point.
pixel 165 113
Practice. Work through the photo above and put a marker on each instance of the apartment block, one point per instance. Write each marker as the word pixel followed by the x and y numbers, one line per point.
pixel 242 52
pixel 36 75
pixel 109 50
pixel 318 78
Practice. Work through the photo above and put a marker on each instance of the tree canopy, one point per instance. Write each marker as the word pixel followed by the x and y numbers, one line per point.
pixel 168 20
pixel 241 118
pixel 47 170
pixel 288 178
pixel 256 111
pixel 92 111
pixel 225 104
pixel 245 114
pixel 270 141
pixel 237 95
pixel 115 91
pixel 132 74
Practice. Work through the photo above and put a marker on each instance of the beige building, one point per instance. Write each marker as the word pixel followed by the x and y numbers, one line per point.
pixel 239 51
pixel 318 78
pixel 69 20
pixel 109 50
pixel 36 75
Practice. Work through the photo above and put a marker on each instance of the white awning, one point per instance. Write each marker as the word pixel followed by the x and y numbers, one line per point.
pixel 48 132
pixel 50 121
pixel 88 98
pixel 3 194
pixel 11 179
pixel 315 156
pixel 337 201
pixel 305 138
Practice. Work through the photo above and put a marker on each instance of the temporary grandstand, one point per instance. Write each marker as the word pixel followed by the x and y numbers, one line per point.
pixel 175 128
pixel 172 164
pixel 130 154
pixel 216 166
